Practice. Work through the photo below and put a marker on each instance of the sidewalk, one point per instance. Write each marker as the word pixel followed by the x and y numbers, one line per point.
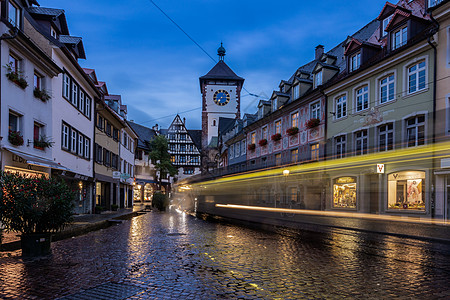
pixel 81 224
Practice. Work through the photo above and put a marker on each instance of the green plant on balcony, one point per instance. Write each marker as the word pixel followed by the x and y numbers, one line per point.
pixel 42 142
pixel 15 76
pixel 276 137
pixel 15 138
pixel 292 131
pixel 41 94
pixel 314 122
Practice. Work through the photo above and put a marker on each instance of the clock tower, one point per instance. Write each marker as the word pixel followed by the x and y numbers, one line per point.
pixel 221 98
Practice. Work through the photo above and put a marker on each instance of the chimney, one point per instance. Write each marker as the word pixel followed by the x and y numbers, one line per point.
pixel 155 128
pixel 319 51
pixel 184 121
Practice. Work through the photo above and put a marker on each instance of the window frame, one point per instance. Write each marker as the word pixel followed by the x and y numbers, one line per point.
pixel 15 62
pixel 315 112
pixel 65 136
pixel 16 22
pixel 314 150
pixel 296 92
pixel 402 31
pixel 355 61
pixel 295 119
pixel 340 141
pixel 356 96
pixel 17 124
pixel 378 92
pixel 318 79
pixel 407 67
pixel 340 107
pixel 385 133
pixel 264 132
pixel 416 126
pixel 363 138
pixel 278 126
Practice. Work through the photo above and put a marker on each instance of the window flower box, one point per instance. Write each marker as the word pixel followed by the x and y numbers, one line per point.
pixel 42 143
pixel 262 142
pixel 312 123
pixel 41 94
pixel 251 147
pixel 15 77
pixel 292 131
pixel 276 137
pixel 15 138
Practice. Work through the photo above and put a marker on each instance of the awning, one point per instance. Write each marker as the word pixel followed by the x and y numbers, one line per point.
pixel 37 161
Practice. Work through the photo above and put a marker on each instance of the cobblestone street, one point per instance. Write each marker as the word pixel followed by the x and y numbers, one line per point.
pixel 172 255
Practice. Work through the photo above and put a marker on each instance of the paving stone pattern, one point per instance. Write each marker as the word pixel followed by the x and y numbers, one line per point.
pixel 175 256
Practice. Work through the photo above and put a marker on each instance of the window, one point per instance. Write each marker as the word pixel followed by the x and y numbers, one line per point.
pixel 264 133
pixel 188 171
pixel 65 136
pixel 98 153
pixel 399 38
pixel 296 92
pixel 362 98
pixel 387 92
pixel 274 104
pixel 106 157
pixel 278 126
pixel 361 142
pixel 315 110
pixel 116 134
pixel 82 103
pixel 294 120
pixel 386 137
pixel 182 159
pixel 385 24
pixel 237 150
pixel 318 79
pixel 183 136
pixel 66 86
pixel 183 148
pixel 232 151
pixel 38 132
pixel 340 146
pixel 294 155
pixel 355 61
pixel 406 191
pixel 80 144
pixel 73 141
pixel 253 138
pixel 415 131
pixel 14 14
pixel 108 128
pixel 172 159
pixel 37 81
pixel 344 192
pixel 278 159
pixel 341 106
pixel 53 33
pixel 100 122
pixel 74 94
pixel 416 77
pixel 87 147
pixel 125 140
pixel 14 122
pixel 315 151
pixel 244 147
pixel 87 111
pixel 14 63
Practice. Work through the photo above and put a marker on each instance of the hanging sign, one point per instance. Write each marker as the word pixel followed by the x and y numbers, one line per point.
pixel 380 168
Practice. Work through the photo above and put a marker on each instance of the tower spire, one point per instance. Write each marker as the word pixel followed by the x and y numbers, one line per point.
pixel 221 51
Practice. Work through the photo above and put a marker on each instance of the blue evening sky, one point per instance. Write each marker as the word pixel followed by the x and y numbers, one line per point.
pixel 145 58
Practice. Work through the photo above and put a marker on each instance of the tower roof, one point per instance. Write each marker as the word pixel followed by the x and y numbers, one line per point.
pixel 221 71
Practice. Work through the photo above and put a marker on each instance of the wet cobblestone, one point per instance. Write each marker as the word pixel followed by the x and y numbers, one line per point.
pixel 174 256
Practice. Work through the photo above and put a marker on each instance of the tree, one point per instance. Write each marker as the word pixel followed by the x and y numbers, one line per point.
pixel 160 158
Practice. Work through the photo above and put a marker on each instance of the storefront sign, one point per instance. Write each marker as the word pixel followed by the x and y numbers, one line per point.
pixel 116 175
pixel 380 168
pixel 18 159
pixel 82 177
pixel 345 180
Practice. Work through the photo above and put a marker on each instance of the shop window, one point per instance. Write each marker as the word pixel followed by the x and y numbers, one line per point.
pixel 344 192
pixel 406 190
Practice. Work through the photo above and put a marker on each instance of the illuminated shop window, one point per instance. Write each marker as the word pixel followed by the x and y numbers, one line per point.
pixel 406 190
pixel 344 192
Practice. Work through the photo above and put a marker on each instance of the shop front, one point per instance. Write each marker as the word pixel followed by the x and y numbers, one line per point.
pixel 106 191
pixel 344 192
pixel 126 191
pixel 143 190
pixel 406 191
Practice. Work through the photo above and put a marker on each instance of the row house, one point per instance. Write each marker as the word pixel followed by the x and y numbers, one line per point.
pixel 127 144
pixel 184 148
pixel 383 102
pixel 145 175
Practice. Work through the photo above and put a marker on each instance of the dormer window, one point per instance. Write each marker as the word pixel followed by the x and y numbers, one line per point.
pixel 399 37
pixel 274 104
pixel 355 62
pixel 295 93
pixel 14 14
pixel 318 79
pixel 53 33
pixel 260 113
pixel 385 24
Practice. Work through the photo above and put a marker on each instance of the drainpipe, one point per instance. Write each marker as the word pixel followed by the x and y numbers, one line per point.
pixel 432 32
pixel 7 37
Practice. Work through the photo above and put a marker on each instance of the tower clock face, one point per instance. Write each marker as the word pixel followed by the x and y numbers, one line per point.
pixel 221 97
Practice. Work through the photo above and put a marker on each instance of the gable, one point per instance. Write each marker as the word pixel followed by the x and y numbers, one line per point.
pixel 387 10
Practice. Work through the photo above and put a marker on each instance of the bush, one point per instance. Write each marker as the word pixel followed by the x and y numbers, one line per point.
pixel 160 201
pixel 114 207
pixel 34 204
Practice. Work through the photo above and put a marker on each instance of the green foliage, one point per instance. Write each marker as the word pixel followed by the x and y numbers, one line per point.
pixel 34 204
pixel 41 94
pixel 160 201
pixel 160 156
pixel 15 76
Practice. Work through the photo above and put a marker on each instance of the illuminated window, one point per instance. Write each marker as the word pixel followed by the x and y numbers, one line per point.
pixel 294 155
pixel 341 106
pixel 278 126
pixel 406 191
pixel 315 151
pixel 340 146
pixel 344 192
pixel 417 77
pixel 362 98
pixel 278 159
pixel 314 110
pixel 386 137
pixel 361 142
pixel 253 138
pixel 415 131
pixel 294 120
pixel 172 158
pixel 264 133
pixel 355 61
